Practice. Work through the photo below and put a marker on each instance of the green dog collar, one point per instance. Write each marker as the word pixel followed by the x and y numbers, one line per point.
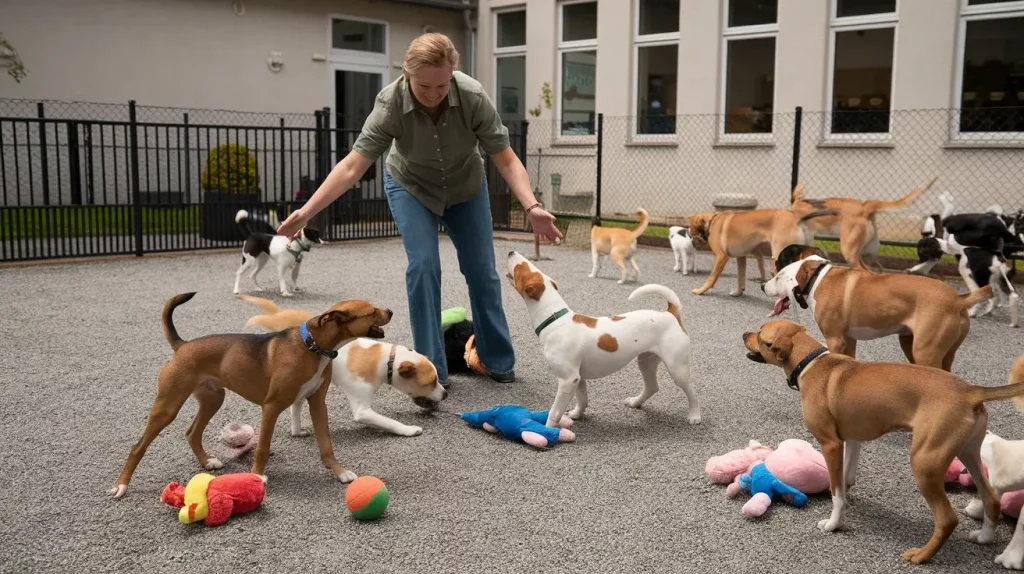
pixel 554 316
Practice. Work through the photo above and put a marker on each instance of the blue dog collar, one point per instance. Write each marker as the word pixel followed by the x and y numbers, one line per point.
pixel 311 344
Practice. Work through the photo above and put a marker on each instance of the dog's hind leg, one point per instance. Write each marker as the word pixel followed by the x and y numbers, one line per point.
pixel 970 455
pixel 929 460
pixel 678 367
pixel 581 401
pixel 632 261
pixel 741 277
pixel 596 256
pixel 295 276
pixel 247 263
pixel 171 395
pixel 619 256
pixel 210 396
pixel 260 262
pixel 648 363
pixel 851 458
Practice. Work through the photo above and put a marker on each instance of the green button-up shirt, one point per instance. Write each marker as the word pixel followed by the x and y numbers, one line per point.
pixel 439 164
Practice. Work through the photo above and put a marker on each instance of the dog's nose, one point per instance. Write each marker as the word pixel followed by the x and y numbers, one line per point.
pixel 444 395
pixel 762 288
pixel 511 253
pixel 390 314
pixel 425 403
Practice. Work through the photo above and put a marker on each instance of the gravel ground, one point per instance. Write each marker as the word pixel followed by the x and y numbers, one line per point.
pixel 81 347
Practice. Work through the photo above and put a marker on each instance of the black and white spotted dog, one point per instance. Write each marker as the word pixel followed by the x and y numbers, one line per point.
pixel 261 246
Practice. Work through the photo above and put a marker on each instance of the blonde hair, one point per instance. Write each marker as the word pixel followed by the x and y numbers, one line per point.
pixel 430 50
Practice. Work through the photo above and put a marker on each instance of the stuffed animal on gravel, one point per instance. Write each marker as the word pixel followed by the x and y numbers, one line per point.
pixel 213 499
pixel 764 487
pixel 797 463
pixel 1010 503
pixel 240 439
pixel 521 424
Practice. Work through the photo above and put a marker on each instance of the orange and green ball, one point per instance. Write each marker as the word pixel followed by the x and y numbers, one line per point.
pixel 367 498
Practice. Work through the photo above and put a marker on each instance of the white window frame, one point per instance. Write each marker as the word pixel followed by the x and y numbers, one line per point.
pixel 971 14
pixel 506 52
pixel 853 24
pixel 564 48
pixel 358 57
pixel 648 41
pixel 745 33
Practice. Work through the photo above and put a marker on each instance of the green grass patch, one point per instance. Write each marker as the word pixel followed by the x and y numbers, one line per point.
pixel 651 231
pixel 93 221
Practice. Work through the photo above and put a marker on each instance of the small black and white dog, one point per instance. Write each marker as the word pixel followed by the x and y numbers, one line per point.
pixel 262 246
pixel 683 249
pixel 980 267
pixel 933 243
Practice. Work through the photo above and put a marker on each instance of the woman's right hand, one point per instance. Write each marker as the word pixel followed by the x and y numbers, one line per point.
pixel 294 224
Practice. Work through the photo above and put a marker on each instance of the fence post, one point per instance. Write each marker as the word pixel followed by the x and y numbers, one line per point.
pixel 795 175
pixel 188 165
pixel 328 160
pixel 43 156
pixel 600 152
pixel 281 150
pixel 136 199
pixel 318 139
pixel 74 164
pixel 524 132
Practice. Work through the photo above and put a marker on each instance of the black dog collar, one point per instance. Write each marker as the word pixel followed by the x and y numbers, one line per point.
pixel 307 338
pixel 794 377
pixel 800 295
pixel 391 363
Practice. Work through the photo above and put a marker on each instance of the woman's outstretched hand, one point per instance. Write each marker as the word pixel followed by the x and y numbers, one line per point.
pixel 543 224
pixel 295 222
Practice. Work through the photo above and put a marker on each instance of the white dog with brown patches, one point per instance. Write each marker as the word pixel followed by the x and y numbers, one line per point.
pixel 360 369
pixel 579 348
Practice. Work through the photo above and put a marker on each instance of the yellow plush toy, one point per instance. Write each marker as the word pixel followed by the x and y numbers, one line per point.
pixel 196 506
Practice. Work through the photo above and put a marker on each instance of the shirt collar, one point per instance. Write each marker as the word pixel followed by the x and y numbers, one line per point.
pixel 409 102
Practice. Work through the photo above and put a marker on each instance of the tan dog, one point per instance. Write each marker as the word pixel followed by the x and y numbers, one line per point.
pixel 846 402
pixel 274 371
pixel 741 234
pixel 851 220
pixel 619 243
pixel 361 368
pixel 851 305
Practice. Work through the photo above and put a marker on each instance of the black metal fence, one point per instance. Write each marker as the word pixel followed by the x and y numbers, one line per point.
pixel 102 179
pixel 701 163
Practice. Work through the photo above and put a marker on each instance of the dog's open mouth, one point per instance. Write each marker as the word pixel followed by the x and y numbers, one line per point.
pixel 375 332
pixel 781 305
pixel 425 403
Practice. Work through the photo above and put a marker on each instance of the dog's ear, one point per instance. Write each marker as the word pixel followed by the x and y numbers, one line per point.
pixel 554 285
pixel 406 369
pixel 336 317
pixel 781 347
pixel 803 275
pixel 529 283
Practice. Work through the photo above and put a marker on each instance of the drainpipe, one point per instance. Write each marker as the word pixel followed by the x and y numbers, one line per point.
pixel 471 35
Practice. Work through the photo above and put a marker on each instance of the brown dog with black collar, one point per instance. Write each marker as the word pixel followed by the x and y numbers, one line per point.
pixel 273 370
pixel 741 234
pixel 851 305
pixel 846 402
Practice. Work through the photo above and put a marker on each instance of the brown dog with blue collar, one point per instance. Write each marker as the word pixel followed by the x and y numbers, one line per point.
pixel 273 370
pixel 846 402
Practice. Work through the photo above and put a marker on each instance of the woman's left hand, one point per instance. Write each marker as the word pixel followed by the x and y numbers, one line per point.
pixel 543 224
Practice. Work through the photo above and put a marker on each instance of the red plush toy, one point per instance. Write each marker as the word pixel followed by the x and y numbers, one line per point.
pixel 214 499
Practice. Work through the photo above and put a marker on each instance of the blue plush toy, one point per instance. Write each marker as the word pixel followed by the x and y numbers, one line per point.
pixel 764 487
pixel 519 423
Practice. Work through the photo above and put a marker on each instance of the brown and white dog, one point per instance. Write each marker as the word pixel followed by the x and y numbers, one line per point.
pixel 273 370
pixel 579 348
pixel 846 402
pixel 361 368
pixel 851 305
pixel 620 244
pixel 853 221
pixel 741 234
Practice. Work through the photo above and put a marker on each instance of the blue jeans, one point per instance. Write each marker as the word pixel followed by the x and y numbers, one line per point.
pixel 470 229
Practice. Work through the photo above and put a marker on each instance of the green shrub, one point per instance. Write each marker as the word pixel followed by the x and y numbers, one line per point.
pixel 232 168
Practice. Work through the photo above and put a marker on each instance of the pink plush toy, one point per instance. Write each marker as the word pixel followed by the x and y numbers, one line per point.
pixel 240 438
pixel 1011 502
pixel 957 474
pixel 799 465
pixel 725 468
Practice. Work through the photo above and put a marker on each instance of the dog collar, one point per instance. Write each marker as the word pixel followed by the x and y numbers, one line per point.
pixel 554 316
pixel 297 254
pixel 311 344
pixel 706 232
pixel 391 363
pixel 800 296
pixel 794 377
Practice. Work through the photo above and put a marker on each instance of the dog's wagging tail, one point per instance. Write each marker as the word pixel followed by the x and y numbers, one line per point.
pixel 170 333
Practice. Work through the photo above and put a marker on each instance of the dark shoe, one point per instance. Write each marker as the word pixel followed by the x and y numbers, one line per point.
pixel 509 377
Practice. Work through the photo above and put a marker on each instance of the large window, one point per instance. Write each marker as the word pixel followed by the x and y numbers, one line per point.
pixel 863 41
pixel 510 63
pixel 748 92
pixel 656 61
pixel 990 70
pixel 577 67
pixel 358 41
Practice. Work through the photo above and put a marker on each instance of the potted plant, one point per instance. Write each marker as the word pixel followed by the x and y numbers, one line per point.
pixel 230 182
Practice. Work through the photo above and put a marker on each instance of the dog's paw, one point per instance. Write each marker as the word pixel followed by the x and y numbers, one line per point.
pixel 575 414
pixel 676 268
pixel 975 509
pixel 829 525
pixel 698 291
pixel 982 536
pixel 119 490
pixel 634 402
pixel 736 292
pixel 915 555
pixel 592 275
pixel 1011 559
pixel 347 476
pixel 299 433
pixel 213 463
pixel 621 281
pixel 297 289
pixel 287 294
pixel 694 418
pixel 264 478
pixel 411 431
